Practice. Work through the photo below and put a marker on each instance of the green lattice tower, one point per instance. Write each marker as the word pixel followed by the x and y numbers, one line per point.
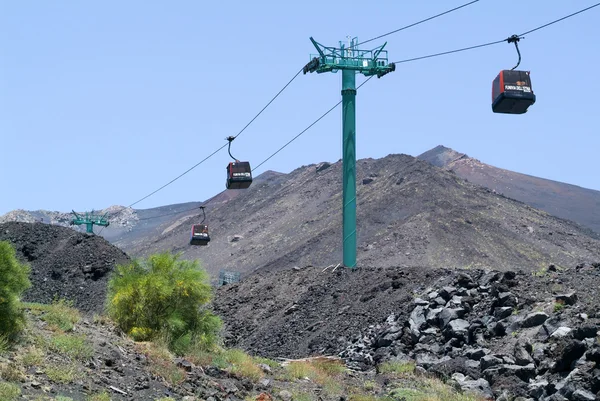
pixel 90 219
pixel 351 61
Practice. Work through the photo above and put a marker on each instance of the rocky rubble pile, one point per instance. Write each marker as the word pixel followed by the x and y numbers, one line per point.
pixel 479 333
pixel 64 263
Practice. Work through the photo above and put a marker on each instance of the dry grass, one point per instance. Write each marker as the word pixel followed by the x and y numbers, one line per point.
pixel 36 344
pixel 60 315
pixel 242 364
pixel 30 356
pixel 4 344
pixel 325 372
pixel 266 361
pixel 399 368
pixel 234 361
pixel 306 378
pixel 430 389
pixel 62 372
pixel 161 362
pixel 103 396
pixel 9 391
pixel 11 372
pixel 363 397
pixel 73 346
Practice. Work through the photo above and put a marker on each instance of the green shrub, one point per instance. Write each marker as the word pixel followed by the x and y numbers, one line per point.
pixel 14 279
pixel 163 297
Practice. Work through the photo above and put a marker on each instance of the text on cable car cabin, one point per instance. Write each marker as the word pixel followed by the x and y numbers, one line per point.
pixel 526 89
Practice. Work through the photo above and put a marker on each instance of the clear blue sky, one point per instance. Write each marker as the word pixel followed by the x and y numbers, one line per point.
pixel 103 102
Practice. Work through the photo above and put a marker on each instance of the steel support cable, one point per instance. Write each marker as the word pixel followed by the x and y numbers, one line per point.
pixel 428 56
pixel 497 41
pixel 309 127
pixel 219 149
pixel 181 211
pixel 213 153
pixel 271 101
pixel 168 214
pixel 449 52
pixel 395 62
pixel 418 22
pixel 560 19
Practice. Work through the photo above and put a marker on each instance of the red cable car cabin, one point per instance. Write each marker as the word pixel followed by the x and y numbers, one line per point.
pixel 511 92
pixel 239 175
pixel 199 235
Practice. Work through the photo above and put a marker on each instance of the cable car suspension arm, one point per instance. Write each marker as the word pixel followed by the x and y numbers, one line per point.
pixel 203 214
pixel 515 39
pixel 230 139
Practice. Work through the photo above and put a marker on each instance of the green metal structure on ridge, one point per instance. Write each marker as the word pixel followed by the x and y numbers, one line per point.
pixel 89 219
pixel 350 60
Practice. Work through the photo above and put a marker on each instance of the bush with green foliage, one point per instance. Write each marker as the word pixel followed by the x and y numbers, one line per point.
pixel 163 297
pixel 14 279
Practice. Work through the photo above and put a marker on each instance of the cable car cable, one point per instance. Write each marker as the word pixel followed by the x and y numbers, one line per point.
pixel 167 214
pixel 560 19
pixel 429 56
pixel 395 62
pixel 179 176
pixel 497 41
pixel 219 149
pixel 417 23
pixel 310 126
pixel 173 213
pixel 213 153
pixel 286 85
pixel 270 101
pixel 449 52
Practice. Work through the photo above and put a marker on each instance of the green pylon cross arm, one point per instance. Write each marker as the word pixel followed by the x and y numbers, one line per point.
pixel 333 59
pixel 90 219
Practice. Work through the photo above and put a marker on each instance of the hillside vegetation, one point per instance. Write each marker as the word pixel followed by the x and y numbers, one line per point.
pixel 62 355
pixel 459 294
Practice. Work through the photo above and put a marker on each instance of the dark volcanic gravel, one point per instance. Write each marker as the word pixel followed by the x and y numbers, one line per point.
pixel 298 313
pixel 64 263
pixel 515 333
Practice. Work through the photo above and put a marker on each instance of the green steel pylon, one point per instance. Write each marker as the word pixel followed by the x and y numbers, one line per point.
pixel 89 219
pixel 350 61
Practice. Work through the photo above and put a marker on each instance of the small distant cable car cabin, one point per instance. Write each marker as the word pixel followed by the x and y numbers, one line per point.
pixel 239 175
pixel 511 92
pixel 199 235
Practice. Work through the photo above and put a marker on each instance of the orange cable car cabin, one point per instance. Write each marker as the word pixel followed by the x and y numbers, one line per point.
pixel 512 92
pixel 199 235
pixel 239 175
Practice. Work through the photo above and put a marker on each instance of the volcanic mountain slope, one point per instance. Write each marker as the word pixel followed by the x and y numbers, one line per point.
pixel 64 263
pixel 409 213
pixel 568 201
